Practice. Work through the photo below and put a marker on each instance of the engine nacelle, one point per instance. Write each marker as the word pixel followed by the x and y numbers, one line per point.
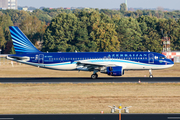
pixel 115 71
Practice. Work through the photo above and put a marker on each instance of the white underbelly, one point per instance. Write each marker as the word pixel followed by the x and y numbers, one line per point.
pixel 143 66
pixel 62 67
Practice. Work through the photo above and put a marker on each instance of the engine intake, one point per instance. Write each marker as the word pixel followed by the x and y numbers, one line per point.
pixel 115 71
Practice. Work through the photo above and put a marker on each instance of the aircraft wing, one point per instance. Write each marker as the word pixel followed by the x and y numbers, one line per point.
pixel 95 65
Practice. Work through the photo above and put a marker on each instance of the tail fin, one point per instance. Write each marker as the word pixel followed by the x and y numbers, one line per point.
pixel 21 43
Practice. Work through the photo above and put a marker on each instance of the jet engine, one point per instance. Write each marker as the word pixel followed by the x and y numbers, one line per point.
pixel 113 71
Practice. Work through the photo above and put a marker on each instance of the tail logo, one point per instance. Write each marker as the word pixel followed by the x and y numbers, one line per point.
pixel 21 43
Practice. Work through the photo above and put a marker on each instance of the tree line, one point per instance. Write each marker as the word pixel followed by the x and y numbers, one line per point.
pixel 96 31
pixel 92 29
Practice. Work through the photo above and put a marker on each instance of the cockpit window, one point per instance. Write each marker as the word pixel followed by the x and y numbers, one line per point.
pixel 162 57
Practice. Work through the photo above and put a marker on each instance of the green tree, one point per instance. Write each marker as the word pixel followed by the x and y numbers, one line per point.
pixel 151 22
pixel 12 50
pixel 34 29
pixel 151 41
pixel 170 28
pixel 123 7
pixel 41 15
pixel 1 13
pixel 129 34
pixel 82 41
pixel 17 16
pixel 60 33
pixel 5 22
pixel 82 31
pixel 2 39
pixel 105 36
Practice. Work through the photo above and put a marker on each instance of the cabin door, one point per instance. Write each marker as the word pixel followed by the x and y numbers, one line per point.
pixel 41 59
pixel 151 58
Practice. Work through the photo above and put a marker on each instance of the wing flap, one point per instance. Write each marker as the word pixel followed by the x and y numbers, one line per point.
pixel 98 64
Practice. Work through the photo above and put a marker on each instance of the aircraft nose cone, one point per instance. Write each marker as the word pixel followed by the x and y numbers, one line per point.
pixel 171 62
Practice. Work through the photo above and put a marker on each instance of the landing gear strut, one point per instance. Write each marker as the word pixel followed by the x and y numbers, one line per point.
pixel 150 74
pixel 94 75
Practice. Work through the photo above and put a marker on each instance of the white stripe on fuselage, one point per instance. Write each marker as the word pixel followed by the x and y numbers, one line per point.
pixel 126 64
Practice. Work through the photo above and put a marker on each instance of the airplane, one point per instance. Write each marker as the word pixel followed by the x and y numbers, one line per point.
pixel 110 63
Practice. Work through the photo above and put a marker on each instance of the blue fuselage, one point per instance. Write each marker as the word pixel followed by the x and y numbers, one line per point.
pixel 68 61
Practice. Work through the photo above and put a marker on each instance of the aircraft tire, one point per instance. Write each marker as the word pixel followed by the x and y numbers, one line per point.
pixel 94 76
pixel 151 76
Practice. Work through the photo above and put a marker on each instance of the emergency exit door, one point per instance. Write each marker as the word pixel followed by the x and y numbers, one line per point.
pixel 41 59
pixel 151 58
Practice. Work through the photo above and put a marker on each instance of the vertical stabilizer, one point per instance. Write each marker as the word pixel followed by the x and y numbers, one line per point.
pixel 21 43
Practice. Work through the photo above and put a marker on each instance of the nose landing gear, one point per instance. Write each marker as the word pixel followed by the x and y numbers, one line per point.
pixel 150 74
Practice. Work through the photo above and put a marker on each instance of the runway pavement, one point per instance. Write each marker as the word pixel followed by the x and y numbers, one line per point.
pixel 92 117
pixel 89 80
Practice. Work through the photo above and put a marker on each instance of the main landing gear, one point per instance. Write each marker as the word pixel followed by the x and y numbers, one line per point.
pixel 150 74
pixel 94 75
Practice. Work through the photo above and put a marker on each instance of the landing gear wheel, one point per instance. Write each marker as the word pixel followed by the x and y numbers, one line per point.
pixel 94 76
pixel 151 76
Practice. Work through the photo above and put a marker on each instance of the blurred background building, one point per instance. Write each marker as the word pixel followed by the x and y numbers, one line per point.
pixel 126 5
pixel 8 4
pixel 173 55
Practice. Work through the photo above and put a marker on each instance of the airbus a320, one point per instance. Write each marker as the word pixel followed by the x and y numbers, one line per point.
pixel 110 63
